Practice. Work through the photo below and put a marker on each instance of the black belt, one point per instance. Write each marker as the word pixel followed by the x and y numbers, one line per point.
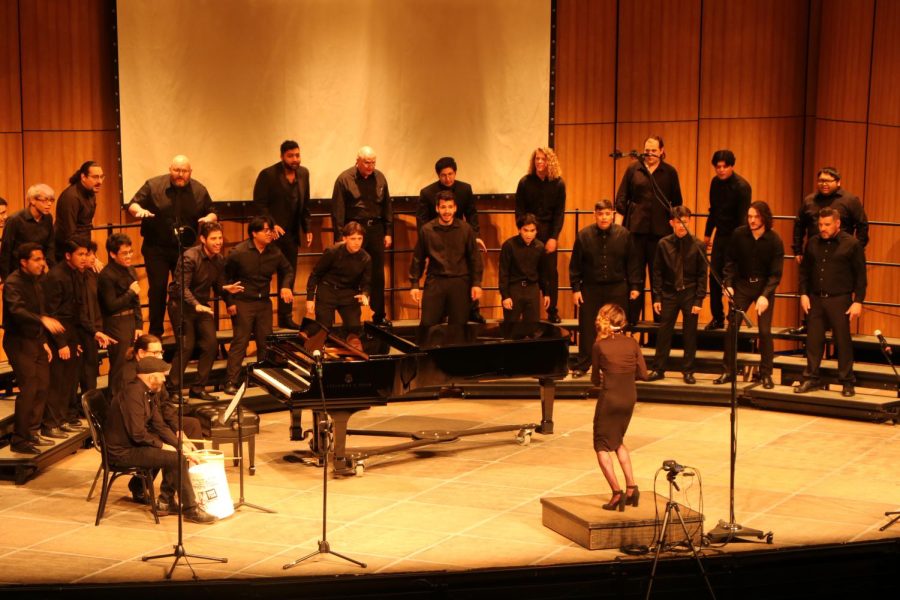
pixel 830 295
pixel 252 297
pixel 754 279
pixel 526 283
pixel 366 222
pixel 124 313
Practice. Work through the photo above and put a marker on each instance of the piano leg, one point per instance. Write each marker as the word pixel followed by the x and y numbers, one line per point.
pixel 548 395
pixel 339 419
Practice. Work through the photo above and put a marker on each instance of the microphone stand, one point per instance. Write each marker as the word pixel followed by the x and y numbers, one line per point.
pixel 178 551
pixel 888 357
pixel 326 439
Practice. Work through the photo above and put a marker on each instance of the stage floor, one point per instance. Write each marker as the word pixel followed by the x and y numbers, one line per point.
pixel 470 504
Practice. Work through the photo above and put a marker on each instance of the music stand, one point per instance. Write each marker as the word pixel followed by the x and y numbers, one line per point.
pixel 237 405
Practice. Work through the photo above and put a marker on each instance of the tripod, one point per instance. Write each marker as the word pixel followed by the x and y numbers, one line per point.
pixel 178 551
pixel 673 469
pixel 886 352
pixel 326 426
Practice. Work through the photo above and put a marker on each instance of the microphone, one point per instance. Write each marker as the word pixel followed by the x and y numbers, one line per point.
pixel 317 356
pixel 884 344
pixel 617 154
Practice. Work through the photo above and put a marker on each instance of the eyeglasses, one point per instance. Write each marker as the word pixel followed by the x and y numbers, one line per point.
pixel 827 181
pixel 181 171
pixel 42 199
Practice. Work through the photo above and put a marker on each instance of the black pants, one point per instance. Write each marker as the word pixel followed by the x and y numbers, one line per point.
pixel 672 304
pixel 90 364
pixel 63 388
pixel 444 297
pixel 745 294
pixel 373 243
pixel 526 303
pixel 199 331
pixel 595 296
pixel 254 317
pixel 550 268
pixel 824 313
pixel 156 458
pixel 329 299
pixel 159 263
pixel 32 370
pixel 717 262
pixel 289 247
pixel 122 330
pixel 645 249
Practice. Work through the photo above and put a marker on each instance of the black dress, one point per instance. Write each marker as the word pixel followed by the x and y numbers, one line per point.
pixel 617 362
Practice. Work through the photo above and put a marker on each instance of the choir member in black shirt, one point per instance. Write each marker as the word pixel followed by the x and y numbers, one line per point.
pixel 454 269
pixel 832 291
pixel 729 199
pixel 251 264
pixel 90 352
pixel 202 267
pixel 120 304
pixel 25 323
pixel 642 213
pixel 34 223
pixel 603 270
pixel 341 281
pixel 678 285
pixel 76 206
pixel 542 192
pixel 521 279
pixel 361 194
pixel 137 435
pixel 849 206
pixel 64 298
pixel 162 204
pixel 282 192
pixel 4 212
pixel 445 167
pixel 753 267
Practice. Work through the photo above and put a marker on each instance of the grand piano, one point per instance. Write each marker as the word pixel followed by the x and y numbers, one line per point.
pixel 382 366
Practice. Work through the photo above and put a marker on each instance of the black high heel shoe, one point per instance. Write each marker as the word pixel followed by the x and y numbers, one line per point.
pixel 635 496
pixel 616 504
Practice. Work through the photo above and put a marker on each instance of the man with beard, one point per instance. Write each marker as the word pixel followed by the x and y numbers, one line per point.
pixel 162 204
pixel 76 206
pixel 282 192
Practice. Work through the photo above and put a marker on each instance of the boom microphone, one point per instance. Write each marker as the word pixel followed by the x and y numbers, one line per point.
pixel 884 344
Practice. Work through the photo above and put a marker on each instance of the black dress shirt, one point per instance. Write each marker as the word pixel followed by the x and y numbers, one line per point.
pixel 20 228
pixel 287 203
pixel 834 267
pixel 546 200
pixel 360 199
pixel 729 201
pixel 23 306
pixel 64 297
pixel 754 260
pixel 254 269
pixel 115 295
pixel 341 270
pixel 171 206
pixel 75 210
pixel 465 204
pixel 636 201
pixel 675 253
pixel 604 257
pixel 520 262
pixel 853 217
pixel 451 252
pixel 202 274
pixel 134 421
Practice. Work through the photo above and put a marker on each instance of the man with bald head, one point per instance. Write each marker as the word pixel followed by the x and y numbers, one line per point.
pixel 361 194
pixel 162 204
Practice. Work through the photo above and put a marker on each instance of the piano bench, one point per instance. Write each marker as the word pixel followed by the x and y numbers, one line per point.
pixel 228 433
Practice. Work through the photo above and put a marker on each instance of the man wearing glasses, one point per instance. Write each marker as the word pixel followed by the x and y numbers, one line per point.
pixel 76 207
pixel 252 263
pixel 34 223
pixel 163 204
pixel 361 194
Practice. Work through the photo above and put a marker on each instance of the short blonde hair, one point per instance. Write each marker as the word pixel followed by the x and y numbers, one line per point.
pixel 40 190
pixel 554 171
pixel 610 320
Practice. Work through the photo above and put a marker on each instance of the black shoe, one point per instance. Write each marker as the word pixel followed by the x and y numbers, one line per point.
pixel 797 330
pixel 53 432
pixel 382 322
pixel 553 316
pixel 69 428
pixel 165 507
pixel 656 375
pixel 577 373
pixel 25 448
pixel 230 388
pixel 807 386
pixel 689 378
pixel 198 515
pixel 476 317
pixel 848 390
pixel 288 323
pixel 714 324
pixel 203 395
pixel 723 378
pixel 767 382
pixel 36 440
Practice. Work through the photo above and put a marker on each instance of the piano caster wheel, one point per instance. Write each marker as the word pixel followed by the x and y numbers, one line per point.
pixel 523 438
pixel 252 470
pixel 359 469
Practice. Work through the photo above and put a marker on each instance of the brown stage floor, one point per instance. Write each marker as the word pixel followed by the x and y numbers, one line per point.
pixel 470 504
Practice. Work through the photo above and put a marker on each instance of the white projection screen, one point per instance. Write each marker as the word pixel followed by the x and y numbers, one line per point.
pixel 226 81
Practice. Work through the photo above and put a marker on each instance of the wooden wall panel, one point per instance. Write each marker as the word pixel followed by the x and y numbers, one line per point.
pixel 841 145
pixel 681 151
pixel 11 185
pixel 659 60
pixel 588 170
pixel 884 95
pixel 586 61
pixel 753 58
pixel 67 74
pixel 10 84
pixel 844 59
